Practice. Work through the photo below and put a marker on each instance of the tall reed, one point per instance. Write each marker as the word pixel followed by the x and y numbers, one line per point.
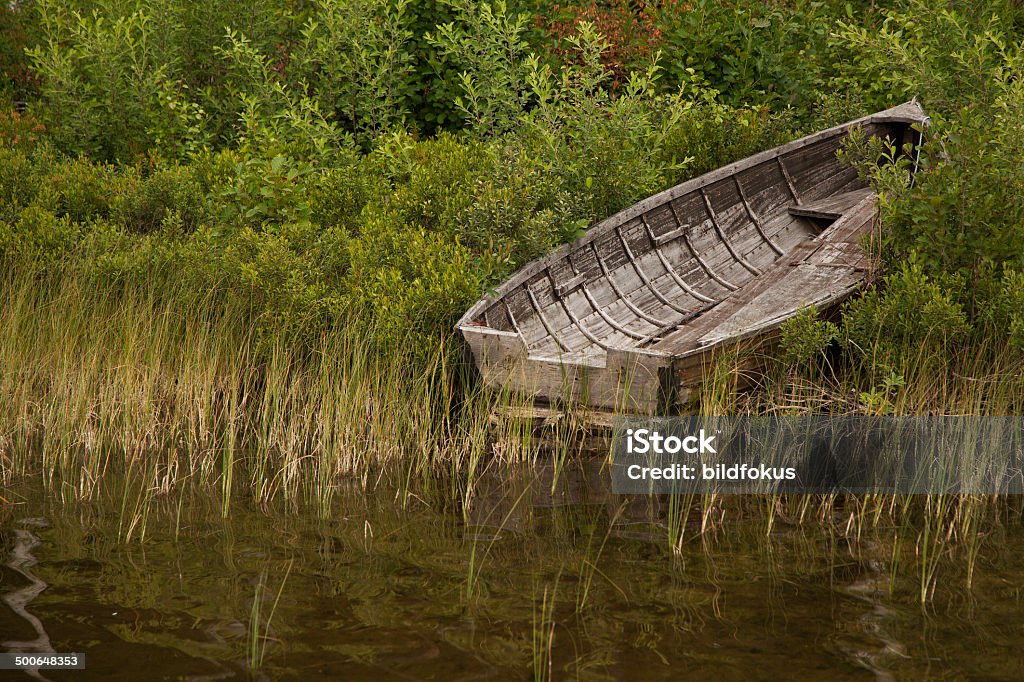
pixel 178 390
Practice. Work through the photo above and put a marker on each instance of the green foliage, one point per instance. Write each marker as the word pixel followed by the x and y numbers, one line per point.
pixel 17 30
pixel 109 86
pixel 20 131
pixel 18 182
pixel 710 134
pixel 407 283
pixel 962 221
pixel 911 313
pixel 171 194
pixel 603 148
pixel 750 51
pixel 880 400
pixel 1003 315
pixel 359 55
pixel 40 238
pixel 337 195
pixel 281 275
pixel 267 190
pixel 487 45
pixel 81 190
pixel 805 338
pixel 194 34
pixel 272 116
pixel 950 57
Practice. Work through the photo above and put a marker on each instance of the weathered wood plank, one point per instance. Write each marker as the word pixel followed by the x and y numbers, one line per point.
pixel 832 206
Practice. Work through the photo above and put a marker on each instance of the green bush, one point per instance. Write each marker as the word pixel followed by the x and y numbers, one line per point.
pixel 108 82
pixel 19 182
pixel 1003 316
pixel 488 47
pixel 357 57
pixel 909 314
pixel 82 190
pixel 279 274
pixel 267 190
pixel 776 53
pixel 407 283
pixel 338 195
pixel 171 194
pixel 711 134
pixel 804 338
pixel 40 238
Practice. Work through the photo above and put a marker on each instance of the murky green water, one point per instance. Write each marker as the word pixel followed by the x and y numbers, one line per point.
pixel 563 580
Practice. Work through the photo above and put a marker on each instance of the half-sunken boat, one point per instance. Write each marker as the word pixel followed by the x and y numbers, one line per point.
pixel 626 317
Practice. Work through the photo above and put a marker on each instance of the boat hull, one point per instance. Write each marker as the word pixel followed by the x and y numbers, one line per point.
pixel 627 317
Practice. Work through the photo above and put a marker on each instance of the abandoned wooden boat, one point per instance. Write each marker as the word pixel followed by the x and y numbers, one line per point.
pixel 625 317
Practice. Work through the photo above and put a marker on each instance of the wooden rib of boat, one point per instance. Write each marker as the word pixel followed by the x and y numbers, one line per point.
pixel 625 317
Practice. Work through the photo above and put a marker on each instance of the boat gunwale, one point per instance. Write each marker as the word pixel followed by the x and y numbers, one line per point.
pixel 908 112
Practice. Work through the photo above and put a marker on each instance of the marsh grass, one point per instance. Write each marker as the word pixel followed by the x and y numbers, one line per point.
pixel 178 391
pixel 923 535
pixel 170 393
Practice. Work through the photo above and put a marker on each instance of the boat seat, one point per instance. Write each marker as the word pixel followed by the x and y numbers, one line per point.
pixel 831 207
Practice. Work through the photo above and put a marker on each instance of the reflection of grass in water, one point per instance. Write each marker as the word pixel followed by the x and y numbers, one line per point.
pixel 590 561
pixel 257 641
pixel 412 577
pixel 542 639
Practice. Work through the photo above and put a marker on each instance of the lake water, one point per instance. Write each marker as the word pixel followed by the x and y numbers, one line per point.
pixel 536 579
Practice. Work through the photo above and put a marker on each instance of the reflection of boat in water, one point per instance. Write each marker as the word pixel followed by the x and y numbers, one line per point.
pixel 21 560
pixel 626 316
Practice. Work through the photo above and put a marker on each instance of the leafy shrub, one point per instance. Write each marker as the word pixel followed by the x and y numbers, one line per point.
pixel 337 195
pixel 964 214
pixel 17 30
pixel 709 134
pixel 82 190
pixel 749 51
pixel 151 202
pixel 267 190
pixel 214 170
pixel 19 183
pixel 280 276
pixel 516 213
pixel 438 179
pixel 1003 316
pixel 39 238
pixel 20 131
pixel 193 33
pixel 805 337
pixel 274 118
pixel 488 47
pixel 407 283
pixel 950 57
pixel 604 150
pixel 358 57
pixel 910 313
pixel 110 90
pixel 630 29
